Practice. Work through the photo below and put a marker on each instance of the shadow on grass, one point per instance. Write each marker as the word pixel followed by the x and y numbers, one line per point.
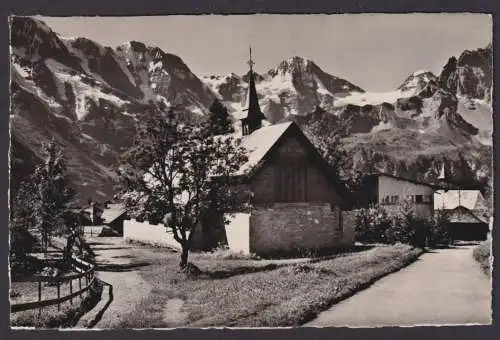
pixel 124 257
pixel 224 274
pixel 111 248
pixel 316 253
pixel 198 273
pixel 99 315
pixel 100 244
pixel 103 267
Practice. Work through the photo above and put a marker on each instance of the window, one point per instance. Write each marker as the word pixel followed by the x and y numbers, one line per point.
pixel 291 182
pixel 419 199
pixel 393 199
pixel 427 199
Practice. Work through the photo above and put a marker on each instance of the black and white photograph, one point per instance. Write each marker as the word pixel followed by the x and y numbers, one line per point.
pixel 250 171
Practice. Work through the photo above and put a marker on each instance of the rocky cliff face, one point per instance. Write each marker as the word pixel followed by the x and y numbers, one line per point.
pixel 470 75
pixel 90 97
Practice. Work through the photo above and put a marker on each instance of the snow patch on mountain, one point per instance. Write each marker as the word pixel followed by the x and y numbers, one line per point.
pixel 322 88
pixel 81 90
pixel 372 98
pixel 419 72
pixel 382 126
pixel 22 76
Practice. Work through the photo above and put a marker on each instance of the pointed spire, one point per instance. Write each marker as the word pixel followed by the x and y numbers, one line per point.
pixel 254 118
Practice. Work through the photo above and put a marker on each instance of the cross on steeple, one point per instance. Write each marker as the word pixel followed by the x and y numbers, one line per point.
pixel 250 62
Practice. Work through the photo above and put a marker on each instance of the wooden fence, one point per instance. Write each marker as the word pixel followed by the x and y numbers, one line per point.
pixel 85 276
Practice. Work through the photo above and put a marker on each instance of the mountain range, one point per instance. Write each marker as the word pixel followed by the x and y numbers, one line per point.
pixel 90 98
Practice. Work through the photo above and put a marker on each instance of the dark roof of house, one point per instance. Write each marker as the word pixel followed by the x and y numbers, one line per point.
pixel 377 175
pixel 111 212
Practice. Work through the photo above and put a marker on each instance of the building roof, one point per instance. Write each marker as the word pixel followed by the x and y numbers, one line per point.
pixel 111 213
pixel 377 175
pixel 462 214
pixel 453 198
pixel 259 143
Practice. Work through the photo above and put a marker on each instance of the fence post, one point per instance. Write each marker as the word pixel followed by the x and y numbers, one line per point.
pixel 71 290
pixel 39 290
pixel 80 285
pixel 58 295
pixel 87 282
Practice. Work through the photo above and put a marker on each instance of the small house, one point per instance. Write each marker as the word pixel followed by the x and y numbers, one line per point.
pixel 470 199
pixel 464 225
pixel 391 191
pixel 296 205
pixel 467 211
pixel 105 216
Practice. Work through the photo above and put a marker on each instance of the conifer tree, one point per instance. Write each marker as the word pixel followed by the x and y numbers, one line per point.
pixel 53 192
pixel 219 119
pixel 22 220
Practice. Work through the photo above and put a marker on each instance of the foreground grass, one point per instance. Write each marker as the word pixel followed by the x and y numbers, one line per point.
pixel 482 255
pixel 286 296
pixel 50 317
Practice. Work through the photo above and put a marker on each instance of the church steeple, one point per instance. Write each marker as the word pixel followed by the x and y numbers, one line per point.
pixel 254 118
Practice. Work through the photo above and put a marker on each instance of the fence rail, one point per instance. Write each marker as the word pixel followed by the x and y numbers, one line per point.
pixel 86 272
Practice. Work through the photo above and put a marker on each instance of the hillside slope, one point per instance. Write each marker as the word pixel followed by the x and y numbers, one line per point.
pixel 89 98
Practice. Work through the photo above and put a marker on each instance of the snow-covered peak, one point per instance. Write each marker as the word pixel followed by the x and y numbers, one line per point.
pixel 292 65
pixel 417 81
pixel 420 72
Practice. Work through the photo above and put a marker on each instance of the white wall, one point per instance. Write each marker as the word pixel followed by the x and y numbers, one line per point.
pixel 389 186
pixel 238 233
pixel 148 233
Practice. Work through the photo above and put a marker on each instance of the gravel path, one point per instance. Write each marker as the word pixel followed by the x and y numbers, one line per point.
pixel 115 261
pixel 442 287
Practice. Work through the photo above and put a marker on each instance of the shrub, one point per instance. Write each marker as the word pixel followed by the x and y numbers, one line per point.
pixel 482 255
pixel 407 227
pixel 22 242
pixel 439 231
pixel 376 225
pixel 371 224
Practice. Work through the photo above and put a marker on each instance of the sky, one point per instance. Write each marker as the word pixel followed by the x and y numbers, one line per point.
pixel 374 51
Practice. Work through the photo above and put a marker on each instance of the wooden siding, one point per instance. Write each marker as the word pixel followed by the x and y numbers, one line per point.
pixel 305 183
